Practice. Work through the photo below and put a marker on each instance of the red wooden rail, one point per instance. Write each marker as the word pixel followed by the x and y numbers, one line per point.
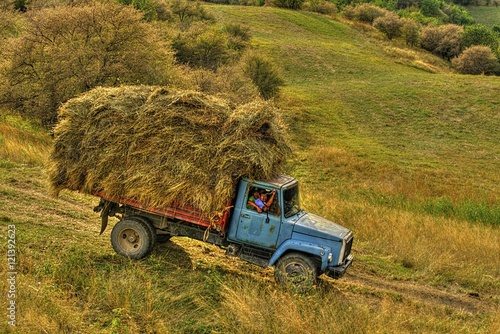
pixel 181 212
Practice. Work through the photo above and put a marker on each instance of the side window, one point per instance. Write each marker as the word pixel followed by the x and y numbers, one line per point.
pixel 262 200
pixel 253 194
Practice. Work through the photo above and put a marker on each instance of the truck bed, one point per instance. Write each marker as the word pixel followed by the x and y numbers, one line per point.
pixel 179 212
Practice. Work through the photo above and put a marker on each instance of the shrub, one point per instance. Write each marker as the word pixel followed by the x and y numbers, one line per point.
pixel 411 32
pixel 477 59
pixel 390 24
pixel 443 41
pixel 263 75
pixel 203 46
pixel 496 29
pixel 458 15
pixel 289 4
pixel 368 13
pixel 189 11
pixel 403 4
pixel 348 12
pixel 229 83
pixel 68 50
pixel 430 7
pixel 238 36
pixel 479 35
pixel 321 6
pixel 148 7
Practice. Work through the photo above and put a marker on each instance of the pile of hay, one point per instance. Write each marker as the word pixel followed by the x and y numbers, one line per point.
pixel 162 146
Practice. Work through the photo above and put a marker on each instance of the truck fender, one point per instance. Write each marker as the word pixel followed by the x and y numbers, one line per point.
pixel 303 247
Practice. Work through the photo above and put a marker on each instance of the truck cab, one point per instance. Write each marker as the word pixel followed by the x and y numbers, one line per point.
pixel 297 243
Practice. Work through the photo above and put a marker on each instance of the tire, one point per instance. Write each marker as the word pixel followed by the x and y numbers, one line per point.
pixel 296 270
pixel 151 229
pixel 132 238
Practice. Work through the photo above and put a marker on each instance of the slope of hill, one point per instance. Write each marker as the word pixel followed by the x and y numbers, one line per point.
pixel 389 143
pixel 485 15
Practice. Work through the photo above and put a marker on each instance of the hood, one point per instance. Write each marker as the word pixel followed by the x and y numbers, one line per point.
pixel 311 224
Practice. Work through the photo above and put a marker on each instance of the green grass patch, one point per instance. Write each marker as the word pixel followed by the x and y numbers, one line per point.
pixel 485 15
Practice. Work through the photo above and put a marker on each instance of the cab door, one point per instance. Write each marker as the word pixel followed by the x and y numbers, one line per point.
pixel 260 229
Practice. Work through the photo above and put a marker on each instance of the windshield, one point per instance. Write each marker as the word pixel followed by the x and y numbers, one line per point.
pixel 291 199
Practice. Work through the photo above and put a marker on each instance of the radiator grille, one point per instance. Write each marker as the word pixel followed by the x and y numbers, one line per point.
pixel 348 247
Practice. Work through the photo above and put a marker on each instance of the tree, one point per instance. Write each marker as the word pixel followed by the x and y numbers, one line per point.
pixel 477 59
pixel 390 24
pixel 68 50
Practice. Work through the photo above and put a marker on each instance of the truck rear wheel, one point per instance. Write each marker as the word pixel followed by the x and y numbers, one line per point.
pixel 151 228
pixel 296 270
pixel 132 237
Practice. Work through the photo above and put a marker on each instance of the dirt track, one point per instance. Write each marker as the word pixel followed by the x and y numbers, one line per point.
pixel 415 292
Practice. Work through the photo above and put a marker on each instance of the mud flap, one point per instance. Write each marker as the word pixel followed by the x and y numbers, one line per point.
pixel 104 215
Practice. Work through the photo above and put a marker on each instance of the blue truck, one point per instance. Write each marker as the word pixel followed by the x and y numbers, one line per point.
pixel 300 245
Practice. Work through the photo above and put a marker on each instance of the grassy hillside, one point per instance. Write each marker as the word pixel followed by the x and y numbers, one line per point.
pixel 486 15
pixel 389 143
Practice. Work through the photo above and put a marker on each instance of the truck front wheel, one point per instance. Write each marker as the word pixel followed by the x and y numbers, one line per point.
pixel 132 238
pixel 296 270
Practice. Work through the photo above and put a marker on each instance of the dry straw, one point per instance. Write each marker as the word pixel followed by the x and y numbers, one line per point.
pixel 162 146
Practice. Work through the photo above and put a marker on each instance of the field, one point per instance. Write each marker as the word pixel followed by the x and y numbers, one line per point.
pixel 486 15
pixel 388 142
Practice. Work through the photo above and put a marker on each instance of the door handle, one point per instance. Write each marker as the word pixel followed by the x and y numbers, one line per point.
pixel 245 215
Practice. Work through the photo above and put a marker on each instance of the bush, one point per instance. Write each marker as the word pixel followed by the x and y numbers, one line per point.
pixel 203 46
pixel 68 50
pixel 263 75
pixel 430 7
pixel 229 83
pixel 476 60
pixel 148 7
pixel 321 6
pixel 496 29
pixel 403 4
pixel 458 15
pixel 443 41
pixel 289 4
pixel 479 35
pixel 238 36
pixel 368 13
pixel 390 24
pixel 189 11
pixel 411 32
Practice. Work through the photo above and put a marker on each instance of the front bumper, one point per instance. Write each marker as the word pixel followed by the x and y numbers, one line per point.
pixel 339 271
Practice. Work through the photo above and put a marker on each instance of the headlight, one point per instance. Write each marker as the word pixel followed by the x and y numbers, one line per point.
pixel 330 257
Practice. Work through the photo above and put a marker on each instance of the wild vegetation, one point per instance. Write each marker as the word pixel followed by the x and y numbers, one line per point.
pixel 389 141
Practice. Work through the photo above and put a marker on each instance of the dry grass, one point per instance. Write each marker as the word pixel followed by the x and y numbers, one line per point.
pixel 438 249
pixel 161 146
pixel 252 307
pixel 22 142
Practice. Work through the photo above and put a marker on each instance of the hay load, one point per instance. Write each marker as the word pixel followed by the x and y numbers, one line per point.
pixel 162 146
